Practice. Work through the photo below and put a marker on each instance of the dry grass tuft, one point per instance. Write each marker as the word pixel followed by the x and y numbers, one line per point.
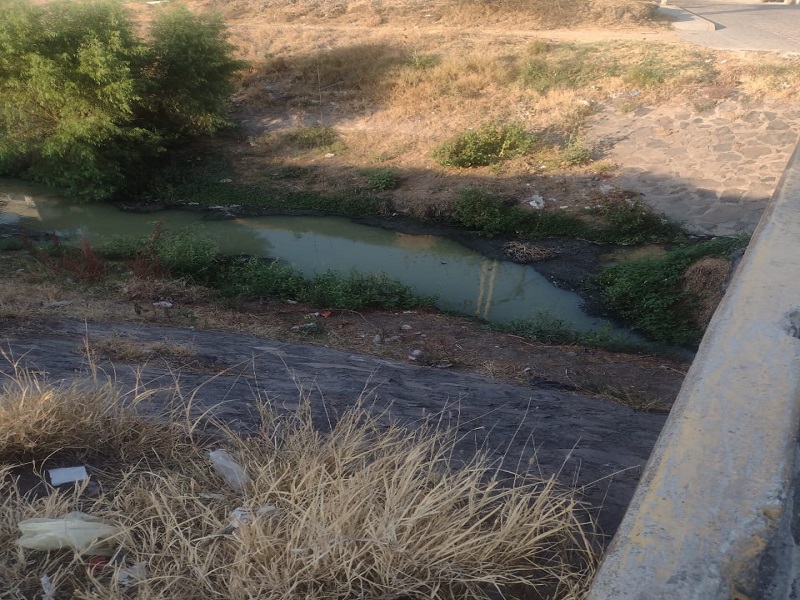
pixel 365 511
pixel 705 281
pixel 121 348
pixel 85 420
pixel 524 252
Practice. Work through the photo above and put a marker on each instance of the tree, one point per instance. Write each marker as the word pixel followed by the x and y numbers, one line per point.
pixel 84 102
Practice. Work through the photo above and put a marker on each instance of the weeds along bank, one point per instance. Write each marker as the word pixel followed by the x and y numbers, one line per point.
pixel 364 510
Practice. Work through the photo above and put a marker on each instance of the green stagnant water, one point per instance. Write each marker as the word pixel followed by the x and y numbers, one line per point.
pixel 464 281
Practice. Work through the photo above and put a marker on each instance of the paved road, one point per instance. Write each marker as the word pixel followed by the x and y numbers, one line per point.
pixel 752 26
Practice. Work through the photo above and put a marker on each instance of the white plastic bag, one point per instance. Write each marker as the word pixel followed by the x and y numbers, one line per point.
pixel 75 530
pixel 230 471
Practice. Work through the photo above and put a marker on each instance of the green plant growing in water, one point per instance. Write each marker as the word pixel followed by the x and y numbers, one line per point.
pixel 487 145
pixel 648 292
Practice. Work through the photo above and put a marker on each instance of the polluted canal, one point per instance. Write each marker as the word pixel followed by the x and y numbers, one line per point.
pixel 463 280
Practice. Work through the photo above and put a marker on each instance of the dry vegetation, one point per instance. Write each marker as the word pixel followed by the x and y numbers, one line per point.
pixel 364 511
pixel 391 81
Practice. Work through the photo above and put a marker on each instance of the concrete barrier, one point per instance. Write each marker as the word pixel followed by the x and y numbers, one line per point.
pixel 714 514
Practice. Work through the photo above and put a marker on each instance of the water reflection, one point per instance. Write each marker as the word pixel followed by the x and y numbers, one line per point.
pixel 465 281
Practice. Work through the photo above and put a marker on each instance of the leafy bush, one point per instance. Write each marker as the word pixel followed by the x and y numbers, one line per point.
pixel 257 278
pixel 357 290
pixel 631 221
pixel 487 145
pixel 85 102
pixel 477 210
pixel 647 292
pixel 381 179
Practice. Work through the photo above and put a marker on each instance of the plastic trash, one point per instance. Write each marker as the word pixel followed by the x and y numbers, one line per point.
pixel 48 589
pixel 76 530
pixel 241 515
pixel 67 475
pixel 133 574
pixel 231 472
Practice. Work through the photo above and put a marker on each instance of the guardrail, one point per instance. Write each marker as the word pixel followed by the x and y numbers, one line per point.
pixel 714 517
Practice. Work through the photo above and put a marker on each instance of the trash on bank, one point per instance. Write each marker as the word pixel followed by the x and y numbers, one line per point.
pixel 76 530
pixel 67 475
pixel 48 589
pixel 127 576
pixel 231 472
pixel 241 515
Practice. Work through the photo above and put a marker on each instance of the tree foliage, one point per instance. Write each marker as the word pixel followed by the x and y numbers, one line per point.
pixel 85 103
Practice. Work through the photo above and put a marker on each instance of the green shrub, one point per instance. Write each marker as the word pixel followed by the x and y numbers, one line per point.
pixel 357 290
pixel 186 253
pixel 575 153
pixel 258 278
pixel 477 210
pixel 631 221
pixel 648 293
pixel 85 102
pixel 381 179
pixel 487 145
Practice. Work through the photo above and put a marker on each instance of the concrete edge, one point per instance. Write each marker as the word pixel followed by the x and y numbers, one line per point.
pixel 716 493
pixel 686 20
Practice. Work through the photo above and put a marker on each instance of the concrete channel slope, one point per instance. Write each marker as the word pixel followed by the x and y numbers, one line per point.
pixel 714 516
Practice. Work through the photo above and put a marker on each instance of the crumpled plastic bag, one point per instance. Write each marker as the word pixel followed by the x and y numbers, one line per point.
pixel 75 530
pixel 231 472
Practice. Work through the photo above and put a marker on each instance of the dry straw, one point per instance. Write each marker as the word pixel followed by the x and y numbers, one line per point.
pixel 364 510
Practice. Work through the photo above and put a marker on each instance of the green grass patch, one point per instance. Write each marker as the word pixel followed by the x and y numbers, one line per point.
pixel 648 294
pixel 547 329
pixel 314 137
pixel 489 144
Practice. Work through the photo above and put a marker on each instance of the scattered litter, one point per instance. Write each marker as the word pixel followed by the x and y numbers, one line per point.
pixel 305 327
pixel 291 302
pixel 163 304
pixel 67 475
pixel 330 155
pixel 48 589
pixel 536 201
pixel 231 472
pixel 127 576
pixel 415 354
pixel 211 496
pixel 406 327
pixel 377 339
pixel 75 530
pixel 226 180
pixel 325 313
pixel 312 315
pixel 97 563
pixel 242 516
pixel 56 304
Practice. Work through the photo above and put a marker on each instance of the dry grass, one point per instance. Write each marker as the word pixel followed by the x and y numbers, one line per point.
pixel 365 511
pixel 524 252
pixel 705 281
pixel 120 348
